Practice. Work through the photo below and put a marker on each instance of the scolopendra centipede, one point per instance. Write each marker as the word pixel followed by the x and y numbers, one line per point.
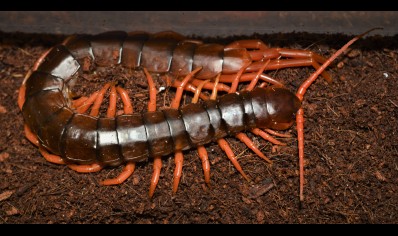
pixel 56 120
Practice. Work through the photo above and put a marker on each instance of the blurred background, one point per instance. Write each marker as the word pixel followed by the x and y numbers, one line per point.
pixel 203 23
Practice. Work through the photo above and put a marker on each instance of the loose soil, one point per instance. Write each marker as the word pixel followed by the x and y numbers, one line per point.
pixel 351 152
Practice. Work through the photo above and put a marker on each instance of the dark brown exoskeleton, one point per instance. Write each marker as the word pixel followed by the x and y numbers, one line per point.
pixel 65 134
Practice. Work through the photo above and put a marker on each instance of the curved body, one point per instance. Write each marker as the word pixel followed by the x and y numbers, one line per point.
pixel 65 135
pixel 85 139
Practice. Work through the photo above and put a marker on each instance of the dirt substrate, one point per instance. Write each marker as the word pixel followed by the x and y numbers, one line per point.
pixel 351 152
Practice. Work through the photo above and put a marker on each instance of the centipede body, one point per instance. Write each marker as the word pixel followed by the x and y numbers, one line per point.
pixel 77 138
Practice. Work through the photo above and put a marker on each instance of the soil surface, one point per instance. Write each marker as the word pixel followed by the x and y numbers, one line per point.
pixel 351 152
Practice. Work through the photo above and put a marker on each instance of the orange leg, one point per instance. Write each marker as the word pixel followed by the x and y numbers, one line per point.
pixel 198 91
pixel 205 163
pixel 296 57
pixel 189 83
pixel 98 101
pixel 241 136
pixel 247 77
pixel 87 103
pixel 78 102
pixel 178 156
pixel 224 146
pixel 255 80
pixel 178 159
pixel 288 63
pixel 129 168
pixel 111 112
pixel 273 132
pixel 152 91
pixel 188 87
pixel 213 95
pixel 246 140
pixel 31 136
pixel 231 156
pixel 236 80
pixel 210 85
pixel 127 171
pixel 50 157
pixel 127 107
pixel 82 105
pixel 176 101
pixel 157 161
pixel 201 149
pixel 21 96
pixel 266 136
pixel 157 166
pixel 95 167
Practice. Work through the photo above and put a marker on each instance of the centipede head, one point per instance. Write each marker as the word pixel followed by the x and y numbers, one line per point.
pixel 275 107
pixel 282 106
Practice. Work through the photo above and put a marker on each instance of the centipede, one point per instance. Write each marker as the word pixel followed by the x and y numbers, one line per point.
pixel 73 130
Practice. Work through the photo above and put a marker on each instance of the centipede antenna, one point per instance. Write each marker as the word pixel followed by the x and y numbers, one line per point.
pixel 304 86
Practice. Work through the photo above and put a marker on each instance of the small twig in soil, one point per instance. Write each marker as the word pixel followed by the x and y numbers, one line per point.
pixel 393 103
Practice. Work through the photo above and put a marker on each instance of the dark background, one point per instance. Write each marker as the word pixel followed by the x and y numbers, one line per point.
pixel 203 23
